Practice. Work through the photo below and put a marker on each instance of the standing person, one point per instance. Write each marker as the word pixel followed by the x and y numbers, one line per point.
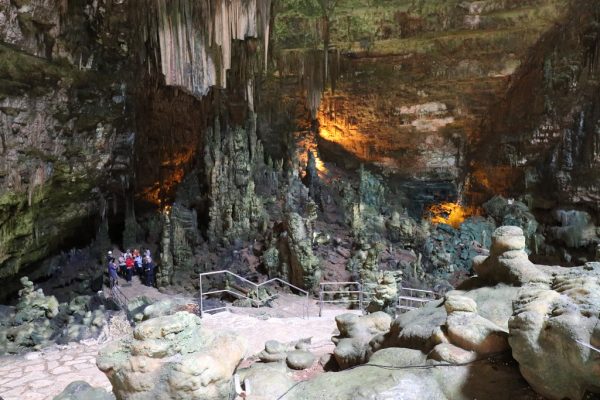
pixel 122 265
pixel 149 269
pixel 112 273
pixel 129 265
pixel 137 258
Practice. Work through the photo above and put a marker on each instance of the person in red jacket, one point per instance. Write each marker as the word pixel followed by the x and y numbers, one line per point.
pixel 129 264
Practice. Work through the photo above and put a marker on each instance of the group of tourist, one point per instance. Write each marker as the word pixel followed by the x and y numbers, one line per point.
pixel 130 263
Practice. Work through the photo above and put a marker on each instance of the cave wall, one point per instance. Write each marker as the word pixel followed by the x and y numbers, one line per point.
pixel 406 85
pixel 103 109
pixel 63 124
pixel 541 140
pixel 105 105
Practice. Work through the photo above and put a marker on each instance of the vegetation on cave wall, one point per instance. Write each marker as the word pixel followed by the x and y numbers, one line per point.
pixel 385 25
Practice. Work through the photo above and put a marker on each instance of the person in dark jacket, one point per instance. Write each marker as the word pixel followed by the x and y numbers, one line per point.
pixel 149 270
pixel 112 273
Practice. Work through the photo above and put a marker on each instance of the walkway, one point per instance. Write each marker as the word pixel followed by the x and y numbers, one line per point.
pixel 44 374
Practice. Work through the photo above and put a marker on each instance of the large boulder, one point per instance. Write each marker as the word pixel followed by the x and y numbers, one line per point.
pixel 265 381
pixel 80 390
pixel 555 333
pixel 512 213
pixel 172 357
pixel 352 344
pixel 459 331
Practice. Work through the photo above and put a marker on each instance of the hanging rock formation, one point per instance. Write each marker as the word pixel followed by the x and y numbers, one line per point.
pixel 192 40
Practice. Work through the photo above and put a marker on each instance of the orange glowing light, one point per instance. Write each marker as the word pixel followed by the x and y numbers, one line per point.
pixel 173 172
pixel 452 214
pixel 308 143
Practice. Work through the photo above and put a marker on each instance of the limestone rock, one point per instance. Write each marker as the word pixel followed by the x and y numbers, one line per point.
pixel 459 303
pixel 34 304
pixel 172 357
pixel 576 228
pixel 452 354
pixel 554 331
pixel 80 390
pixel 494 380
pixel 512 213
pixel 163 307
pixel 352 344
pixel 474 321
pixel 304 264
pixel 472 332
pixel 413 330
pixel 266 381
pixel 508 262
pixel 300 359
pixel 274 351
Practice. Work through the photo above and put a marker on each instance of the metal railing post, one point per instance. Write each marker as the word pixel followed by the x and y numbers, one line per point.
pixel 307 306
pixel 201 299
pixel 320 303
pixel 360 299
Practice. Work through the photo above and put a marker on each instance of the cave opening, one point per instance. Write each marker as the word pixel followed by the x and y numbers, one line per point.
pixel 116 227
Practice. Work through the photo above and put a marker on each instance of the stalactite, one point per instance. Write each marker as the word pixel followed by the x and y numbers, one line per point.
pixel 191 40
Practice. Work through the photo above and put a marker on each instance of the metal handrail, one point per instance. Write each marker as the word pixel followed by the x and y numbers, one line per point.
pixel 121 300
pixel 360 292
pixel 255 286
pixel 407 303
pixel 305 292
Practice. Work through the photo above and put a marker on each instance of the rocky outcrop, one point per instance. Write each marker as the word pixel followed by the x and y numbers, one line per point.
pixel 352 344
pixel 304 265
pixel 540 138
pixel 172 357
pixel 295 354
pixel 399 373
pixel 39 320
pixel 233 158
pixel 555 333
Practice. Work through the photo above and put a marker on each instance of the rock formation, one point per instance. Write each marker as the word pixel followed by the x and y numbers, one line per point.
pixel 39 321
pixel 352 344
pixel 80 390
pixel 555 333
pixel 508 262
pixel 172 357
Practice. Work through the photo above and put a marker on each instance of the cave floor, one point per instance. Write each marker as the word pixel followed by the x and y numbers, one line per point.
pixel 44 374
